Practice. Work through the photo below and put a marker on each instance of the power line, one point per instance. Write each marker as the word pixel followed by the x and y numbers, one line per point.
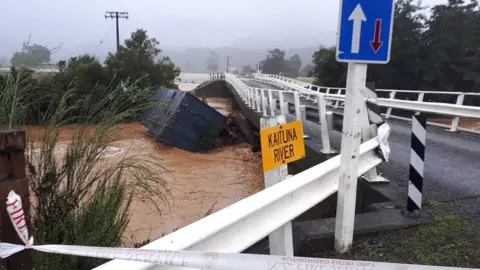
pixel 116 15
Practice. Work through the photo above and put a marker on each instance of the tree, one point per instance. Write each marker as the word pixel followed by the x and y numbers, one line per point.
pixel 294 65
pixel 136 60
pixel 406 66
pixel 453 48
pixel 212 61
pixel 31 56
pixel 274 63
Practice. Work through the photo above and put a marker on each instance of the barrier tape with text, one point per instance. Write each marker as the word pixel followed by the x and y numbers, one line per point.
pixel 190 259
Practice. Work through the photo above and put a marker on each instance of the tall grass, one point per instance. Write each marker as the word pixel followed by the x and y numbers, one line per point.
pixel 80 198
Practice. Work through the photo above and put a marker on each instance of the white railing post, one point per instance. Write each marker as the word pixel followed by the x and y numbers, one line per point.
pixel 421 95
pixel 282 103
pixel 456 120
pixel 322 115
pixel 264 102
pixel 280 240
pixel 338 101
pixel 389 110
pixel 270 103
pixel 251 98
pixel 285 108
pixel 258 97
pixel 296 98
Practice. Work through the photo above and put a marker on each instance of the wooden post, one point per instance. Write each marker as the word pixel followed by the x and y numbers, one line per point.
pixel 13 177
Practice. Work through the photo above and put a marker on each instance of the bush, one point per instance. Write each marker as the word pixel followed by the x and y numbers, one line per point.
pixel 79 199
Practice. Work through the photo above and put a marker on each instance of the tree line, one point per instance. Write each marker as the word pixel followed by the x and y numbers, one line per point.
pixel 136 62
pixel 440 52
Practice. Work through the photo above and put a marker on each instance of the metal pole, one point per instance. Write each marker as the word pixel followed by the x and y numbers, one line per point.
pixel 350 146
pixel 118 32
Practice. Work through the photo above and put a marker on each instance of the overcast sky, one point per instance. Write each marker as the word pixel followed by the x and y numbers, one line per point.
pixel 81 25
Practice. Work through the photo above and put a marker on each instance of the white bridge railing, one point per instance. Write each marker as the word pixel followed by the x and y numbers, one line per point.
pixel 336 96
pixel 242 224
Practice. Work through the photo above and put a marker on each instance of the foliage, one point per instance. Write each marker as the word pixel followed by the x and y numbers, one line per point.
pixel 439 53
pixel 274 63
pixel 137 59
pixel 31 56
pixel 80 198
pixel 293 65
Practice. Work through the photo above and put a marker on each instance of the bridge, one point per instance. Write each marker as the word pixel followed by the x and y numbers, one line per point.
pixel 450 172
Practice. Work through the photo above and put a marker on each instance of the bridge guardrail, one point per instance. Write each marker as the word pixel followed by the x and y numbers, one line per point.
pixel 242 224
pixel 454 110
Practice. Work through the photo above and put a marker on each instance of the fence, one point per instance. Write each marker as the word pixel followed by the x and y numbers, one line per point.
pixel 242 224
pixel 336 97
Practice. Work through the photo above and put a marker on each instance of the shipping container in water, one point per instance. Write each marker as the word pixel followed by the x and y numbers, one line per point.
pixel 182 120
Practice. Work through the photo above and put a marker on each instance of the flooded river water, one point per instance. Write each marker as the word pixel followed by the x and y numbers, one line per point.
pixel 198 183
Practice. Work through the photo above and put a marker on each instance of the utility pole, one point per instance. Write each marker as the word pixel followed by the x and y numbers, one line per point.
pixel 228 62
pixel 116 15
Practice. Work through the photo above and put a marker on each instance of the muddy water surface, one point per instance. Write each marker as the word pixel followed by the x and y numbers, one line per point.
pixel 197 182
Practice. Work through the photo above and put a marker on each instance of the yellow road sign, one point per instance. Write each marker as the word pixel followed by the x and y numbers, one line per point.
pixel 282 144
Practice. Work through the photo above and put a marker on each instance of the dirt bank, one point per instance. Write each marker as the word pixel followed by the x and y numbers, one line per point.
pixel 197 182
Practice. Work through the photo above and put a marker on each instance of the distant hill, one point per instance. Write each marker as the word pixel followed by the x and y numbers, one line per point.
pixel 194 59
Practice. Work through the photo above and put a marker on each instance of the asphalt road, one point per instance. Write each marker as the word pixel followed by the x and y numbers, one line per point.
pixel 452 161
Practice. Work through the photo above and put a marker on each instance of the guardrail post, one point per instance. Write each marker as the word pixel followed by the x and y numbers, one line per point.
pixel 421 95
pixel 259 108
pixel 322 115
pixel 13 177
pixel 456 120
pixel 371 119
pixel 417 160
pixel 270 103
pixel 251 100
pixel 389 110
pixel 285 108
pixel 338 101
pixel 282 103
pixel 296 99
pixel 298 112
pixel 280 240
pixel 264 102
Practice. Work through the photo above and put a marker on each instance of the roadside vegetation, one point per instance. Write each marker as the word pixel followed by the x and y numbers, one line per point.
pixel 78 197
pixel 448 241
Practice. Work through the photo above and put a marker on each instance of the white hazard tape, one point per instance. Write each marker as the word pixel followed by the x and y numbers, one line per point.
pixel 198 259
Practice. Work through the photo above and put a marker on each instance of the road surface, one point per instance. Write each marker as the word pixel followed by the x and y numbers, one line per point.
pixel 452 170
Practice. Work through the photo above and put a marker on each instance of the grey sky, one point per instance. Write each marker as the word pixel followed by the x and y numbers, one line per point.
pixel 81 26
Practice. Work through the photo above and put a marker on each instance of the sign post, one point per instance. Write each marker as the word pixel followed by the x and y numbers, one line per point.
pixel 281 143
pixel 364 36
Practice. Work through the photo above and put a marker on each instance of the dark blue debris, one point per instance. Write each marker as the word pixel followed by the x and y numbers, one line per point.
pixel 184 121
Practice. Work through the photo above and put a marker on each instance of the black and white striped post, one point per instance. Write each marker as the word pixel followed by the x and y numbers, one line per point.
pixel 417 161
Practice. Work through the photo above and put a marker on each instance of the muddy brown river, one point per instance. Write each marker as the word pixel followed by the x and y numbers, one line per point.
pixel 197 182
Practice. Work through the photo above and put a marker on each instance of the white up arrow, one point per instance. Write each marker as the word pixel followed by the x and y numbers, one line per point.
pixel 357 17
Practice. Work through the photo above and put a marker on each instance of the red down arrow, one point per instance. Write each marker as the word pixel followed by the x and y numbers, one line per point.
pixel 376 43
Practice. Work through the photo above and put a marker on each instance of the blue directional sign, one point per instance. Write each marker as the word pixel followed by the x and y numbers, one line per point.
pixel 365 31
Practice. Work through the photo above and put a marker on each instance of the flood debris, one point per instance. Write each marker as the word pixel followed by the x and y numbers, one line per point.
pixel 184 121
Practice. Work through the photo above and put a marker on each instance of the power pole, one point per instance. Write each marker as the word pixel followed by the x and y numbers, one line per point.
pixel 116 15
pixel 228 62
